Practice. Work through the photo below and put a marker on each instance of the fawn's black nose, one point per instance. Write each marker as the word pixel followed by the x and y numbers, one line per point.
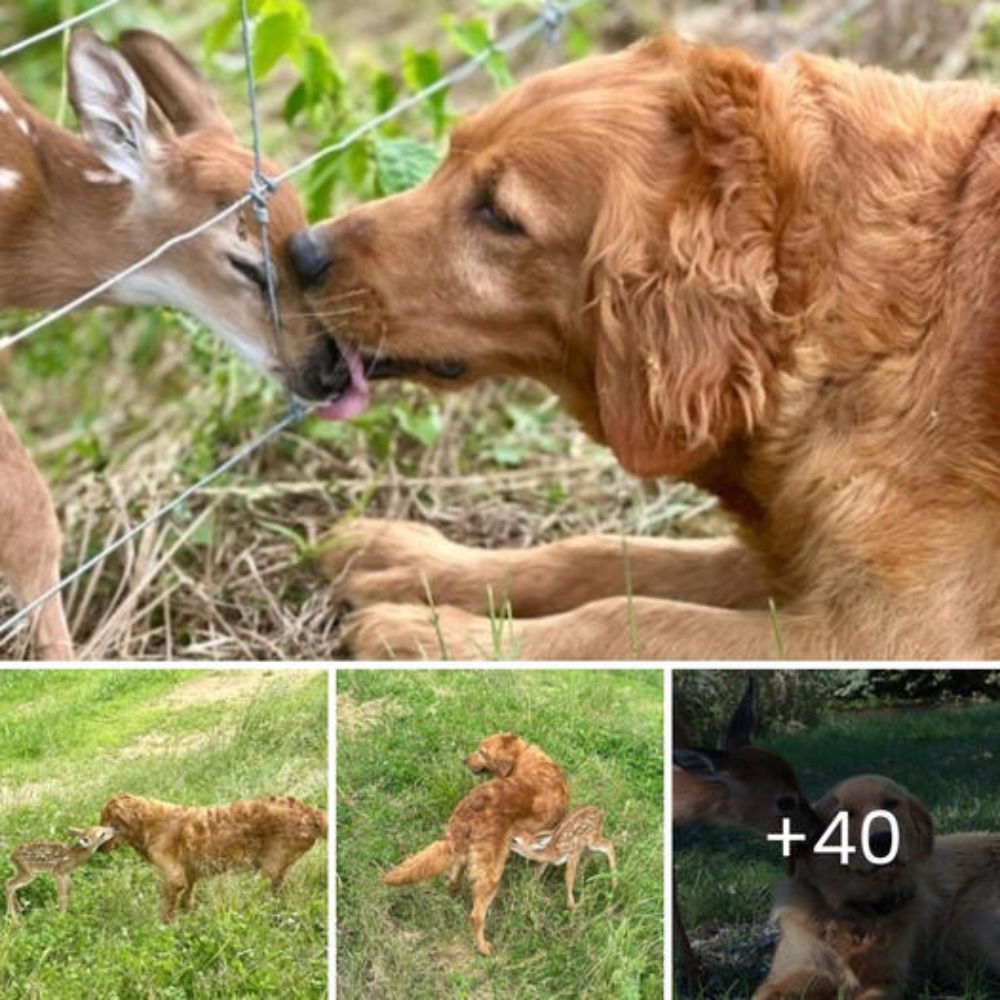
pixel 310 258
pixel 325 376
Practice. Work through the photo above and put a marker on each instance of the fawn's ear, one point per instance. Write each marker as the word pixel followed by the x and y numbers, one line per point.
pixel 682 273
pixel 744 721
pixel 175 85
pixel 116 119
pixel 75 831
pixel 709 765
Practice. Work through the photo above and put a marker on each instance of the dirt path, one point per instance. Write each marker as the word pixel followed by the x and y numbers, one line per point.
pixel 231 685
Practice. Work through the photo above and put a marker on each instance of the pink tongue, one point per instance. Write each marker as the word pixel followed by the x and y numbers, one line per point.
pixel 356 396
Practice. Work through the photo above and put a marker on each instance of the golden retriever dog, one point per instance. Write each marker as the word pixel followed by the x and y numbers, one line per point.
pixel 863 931
pixel 527 795
pixel 778 282
pixel 187 842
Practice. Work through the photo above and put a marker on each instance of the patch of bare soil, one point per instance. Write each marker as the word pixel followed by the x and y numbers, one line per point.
pixel 355 717
pixel 231 685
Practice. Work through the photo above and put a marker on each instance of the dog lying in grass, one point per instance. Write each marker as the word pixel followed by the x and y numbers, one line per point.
pixel 528 795
pixel 867 931
pixel 187 842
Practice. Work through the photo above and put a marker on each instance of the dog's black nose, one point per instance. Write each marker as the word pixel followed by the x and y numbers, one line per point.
pixel 310 258
pixel 880 842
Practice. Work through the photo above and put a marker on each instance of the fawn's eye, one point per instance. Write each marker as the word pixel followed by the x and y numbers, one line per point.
pixel 250 271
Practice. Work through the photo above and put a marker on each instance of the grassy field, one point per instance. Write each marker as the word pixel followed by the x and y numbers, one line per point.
pixel 726 877
pixel 401 739
pixel 70 740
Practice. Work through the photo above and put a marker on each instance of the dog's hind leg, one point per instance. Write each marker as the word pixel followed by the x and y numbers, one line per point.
pixel 453 874
pixel 30 543
pixel 484 873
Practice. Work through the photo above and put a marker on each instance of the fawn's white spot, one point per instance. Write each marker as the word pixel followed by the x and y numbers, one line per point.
pixel 8 179
pixel 22 124
pixel 102 177
pixel 4 107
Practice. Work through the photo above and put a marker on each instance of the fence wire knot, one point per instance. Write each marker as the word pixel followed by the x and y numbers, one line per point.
pixel 261 190
pixel 553 14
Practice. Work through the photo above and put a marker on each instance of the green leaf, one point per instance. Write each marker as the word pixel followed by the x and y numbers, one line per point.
pixel 222 29
pixel 578 42
pixel 423 426
pixel 469 37
pixel 402 163
pixel 423 69
pixel 273 37
pixel 473 38
pixel 319 74
pixel 383 92
pixel 507 455
pixel 294 103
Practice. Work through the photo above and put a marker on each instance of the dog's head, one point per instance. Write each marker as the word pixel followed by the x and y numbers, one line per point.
pixel 863 883
pixel 121 813
pixel 607 228
pixel 497 754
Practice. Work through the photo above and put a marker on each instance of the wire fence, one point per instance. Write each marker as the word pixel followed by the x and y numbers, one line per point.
pixel 547 22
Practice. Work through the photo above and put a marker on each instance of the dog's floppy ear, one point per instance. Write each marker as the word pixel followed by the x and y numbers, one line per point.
pixel 504 749
pixel 827 807
pixel 682 274
pixel 923 827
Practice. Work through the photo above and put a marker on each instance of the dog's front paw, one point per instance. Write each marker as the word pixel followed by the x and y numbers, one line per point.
pixel 371 561
pixel 417 632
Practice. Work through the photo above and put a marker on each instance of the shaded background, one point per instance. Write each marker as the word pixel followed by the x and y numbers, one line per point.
pixel 936 732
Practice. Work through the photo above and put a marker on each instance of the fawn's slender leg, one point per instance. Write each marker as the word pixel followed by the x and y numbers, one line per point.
pixel 541 871
pixel 19 879
pixel 62 890
pixel 30 543
pixel 571 862
pixel 600 844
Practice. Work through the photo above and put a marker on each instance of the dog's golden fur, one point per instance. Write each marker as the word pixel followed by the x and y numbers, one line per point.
pixel 776 281
pixel 527 794
pixel 186 843
pixel 865 932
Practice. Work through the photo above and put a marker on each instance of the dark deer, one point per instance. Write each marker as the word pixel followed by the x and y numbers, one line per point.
pixel 739 785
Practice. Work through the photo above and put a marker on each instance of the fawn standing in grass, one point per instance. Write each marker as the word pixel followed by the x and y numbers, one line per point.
pixel 59 860
pixel 579 833
pixel 739 785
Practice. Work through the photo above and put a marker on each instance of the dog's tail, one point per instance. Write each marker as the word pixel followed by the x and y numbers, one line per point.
pixel 423 865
